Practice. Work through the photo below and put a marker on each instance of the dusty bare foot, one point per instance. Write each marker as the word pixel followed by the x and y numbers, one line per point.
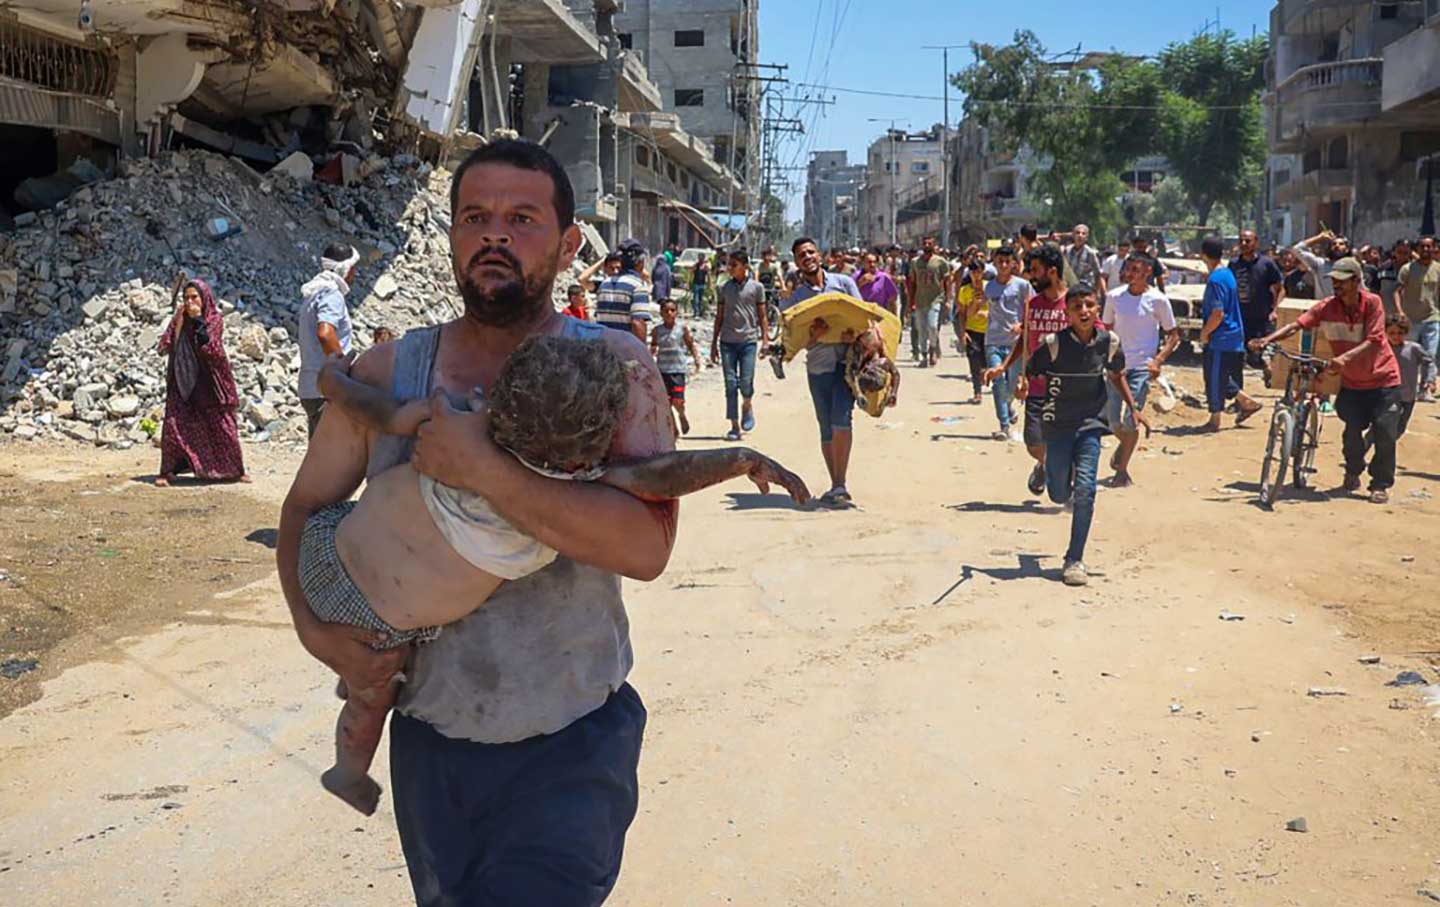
pixel 360 792
pixel 245 479
pixel 163 481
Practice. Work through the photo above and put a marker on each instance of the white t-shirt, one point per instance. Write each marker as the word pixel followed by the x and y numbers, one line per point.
pixel 1138 320
pixel 1112 267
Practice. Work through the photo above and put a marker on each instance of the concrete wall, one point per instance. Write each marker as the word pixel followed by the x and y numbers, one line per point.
pixel 651 25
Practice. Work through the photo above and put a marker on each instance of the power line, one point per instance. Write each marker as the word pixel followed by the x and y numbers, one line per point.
pixel 1005 103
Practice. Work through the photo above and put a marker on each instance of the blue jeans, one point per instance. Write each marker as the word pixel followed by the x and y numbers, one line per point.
pixel 1002 389
pixel 927 326
pixel 834 403
pixel 1080 452
pixel 1427 334
pixel 738 362
pixel 539 821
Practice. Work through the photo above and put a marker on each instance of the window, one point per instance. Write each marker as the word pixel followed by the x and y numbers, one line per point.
pixel 642 156
pixel 691 37
pixel 689 97
pixel 1311 162
pixel 920 167
pixel 671 172
pixel 1389 10
pixel 626 39
pixel 1281 177
pixel 685 179
pixel 1338 155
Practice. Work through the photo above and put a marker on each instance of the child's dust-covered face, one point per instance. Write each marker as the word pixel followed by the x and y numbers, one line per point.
pixel 1083 310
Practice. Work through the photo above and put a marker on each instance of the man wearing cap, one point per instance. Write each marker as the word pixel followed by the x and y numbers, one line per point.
pixel 324 328
pixel 1353 320
pixel 623 300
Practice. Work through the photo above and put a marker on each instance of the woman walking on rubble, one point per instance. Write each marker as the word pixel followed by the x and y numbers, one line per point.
pixel 200 433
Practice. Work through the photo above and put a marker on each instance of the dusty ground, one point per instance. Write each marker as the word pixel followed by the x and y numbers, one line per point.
pixel 894 705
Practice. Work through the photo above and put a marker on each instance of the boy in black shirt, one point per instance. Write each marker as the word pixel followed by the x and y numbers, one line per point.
pixel 1077 362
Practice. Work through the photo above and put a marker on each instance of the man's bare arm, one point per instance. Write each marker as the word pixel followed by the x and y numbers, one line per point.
pixel 333 468
pixel 676 474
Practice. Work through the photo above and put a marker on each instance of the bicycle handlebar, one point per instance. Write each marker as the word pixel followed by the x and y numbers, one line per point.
pixel 1298 358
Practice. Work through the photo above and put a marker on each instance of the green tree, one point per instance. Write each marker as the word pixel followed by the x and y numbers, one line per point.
pixel 1209 123
pixel 1083 126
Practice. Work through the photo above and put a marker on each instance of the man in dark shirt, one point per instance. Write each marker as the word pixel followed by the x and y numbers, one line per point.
pixel 1261 286
pixel 1076 363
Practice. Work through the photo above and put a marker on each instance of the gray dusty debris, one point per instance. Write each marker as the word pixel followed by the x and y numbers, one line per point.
pixel 1327 691
pixel 1408 679
pixel 1231 615
pixel 1431 893
pixel 1298 824
pixel 1369 659
pixel 15 667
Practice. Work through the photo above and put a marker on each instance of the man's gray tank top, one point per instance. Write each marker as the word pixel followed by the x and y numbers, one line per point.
pixel 543 651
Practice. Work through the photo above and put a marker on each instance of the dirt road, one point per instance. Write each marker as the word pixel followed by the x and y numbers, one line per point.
pixel 893 705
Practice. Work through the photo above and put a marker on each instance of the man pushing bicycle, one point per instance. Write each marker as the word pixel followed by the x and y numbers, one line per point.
pixel 1353 320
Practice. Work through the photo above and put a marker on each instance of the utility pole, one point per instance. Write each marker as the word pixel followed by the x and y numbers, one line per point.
pixel 894 169
pixel 945 139
pixel 746 73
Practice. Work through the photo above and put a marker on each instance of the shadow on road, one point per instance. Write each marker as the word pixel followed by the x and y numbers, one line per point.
pixel 1029 568
pixel 951 437
pixel 742 500
pixel 1030 506
pixel 266 537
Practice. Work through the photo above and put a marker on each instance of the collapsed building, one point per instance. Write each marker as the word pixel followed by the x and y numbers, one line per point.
pixel 85 83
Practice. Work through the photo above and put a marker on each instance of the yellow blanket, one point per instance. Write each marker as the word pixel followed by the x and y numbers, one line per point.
pixel 845 318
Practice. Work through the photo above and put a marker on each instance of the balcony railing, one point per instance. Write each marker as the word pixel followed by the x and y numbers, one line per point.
pixel 1323 76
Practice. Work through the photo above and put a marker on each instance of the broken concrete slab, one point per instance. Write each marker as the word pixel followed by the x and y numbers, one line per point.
pixel 297 166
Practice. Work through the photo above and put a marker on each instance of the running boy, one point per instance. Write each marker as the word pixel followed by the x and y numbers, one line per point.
pixel 412 554
pixel 1076 363
pixel 668 342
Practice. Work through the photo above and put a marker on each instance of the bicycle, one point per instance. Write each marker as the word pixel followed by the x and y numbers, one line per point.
pixel 1294 429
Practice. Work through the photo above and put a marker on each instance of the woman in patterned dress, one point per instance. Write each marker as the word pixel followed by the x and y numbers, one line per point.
pixel 200 434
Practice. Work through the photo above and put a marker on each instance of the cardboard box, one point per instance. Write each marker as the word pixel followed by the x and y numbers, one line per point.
pixel 1308 342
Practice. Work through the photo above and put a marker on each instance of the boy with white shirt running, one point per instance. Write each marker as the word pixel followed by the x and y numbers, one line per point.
pixel 1136 313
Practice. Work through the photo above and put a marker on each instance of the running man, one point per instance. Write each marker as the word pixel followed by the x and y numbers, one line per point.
pixel 1006 296
pixel 1223 335
pixel 825 368
pixel 1136 313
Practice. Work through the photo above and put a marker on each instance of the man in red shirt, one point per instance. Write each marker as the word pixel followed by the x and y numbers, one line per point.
pixel 1044 314
pixel 1353 320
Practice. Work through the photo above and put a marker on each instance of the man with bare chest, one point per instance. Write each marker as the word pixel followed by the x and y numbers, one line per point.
pixel 515 740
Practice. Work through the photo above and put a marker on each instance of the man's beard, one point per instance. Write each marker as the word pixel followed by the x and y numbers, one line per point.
pixel 513 301
pixel 1040 283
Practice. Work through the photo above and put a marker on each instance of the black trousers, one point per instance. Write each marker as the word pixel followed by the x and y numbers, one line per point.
pixel 1378 413
pixel 975 352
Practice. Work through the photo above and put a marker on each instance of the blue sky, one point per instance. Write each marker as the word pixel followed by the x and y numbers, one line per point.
pixel 879 48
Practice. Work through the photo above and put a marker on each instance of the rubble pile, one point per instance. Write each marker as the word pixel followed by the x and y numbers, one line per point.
pixel 87 289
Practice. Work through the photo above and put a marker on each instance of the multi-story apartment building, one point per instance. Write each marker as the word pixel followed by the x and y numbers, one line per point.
pixel 895 163
pixel 703 54
pixel 832 186
pixel 1353 116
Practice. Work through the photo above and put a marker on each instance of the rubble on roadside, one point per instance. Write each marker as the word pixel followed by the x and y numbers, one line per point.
pixel 85 291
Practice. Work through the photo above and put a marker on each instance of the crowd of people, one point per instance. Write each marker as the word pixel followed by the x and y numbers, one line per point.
pixel 551 442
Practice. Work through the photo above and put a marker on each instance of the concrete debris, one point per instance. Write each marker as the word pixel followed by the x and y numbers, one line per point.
pixel 1327 691
pixel 1298 824
pixel 85 300
pixel 15 667
pixel 1230 615
pixel 1431 893
pixel 1369 659
pixel 1408 679
pixel 297 166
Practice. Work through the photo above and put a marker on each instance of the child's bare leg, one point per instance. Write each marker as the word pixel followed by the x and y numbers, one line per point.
pixel 357 736
pixel 673 475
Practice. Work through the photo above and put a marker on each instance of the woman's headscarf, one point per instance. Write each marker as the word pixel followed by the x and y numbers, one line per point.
pixel 197 339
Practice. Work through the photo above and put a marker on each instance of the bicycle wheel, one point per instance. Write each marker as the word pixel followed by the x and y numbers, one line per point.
pixel 774 323
pixel 1307 443
pixel 1277 455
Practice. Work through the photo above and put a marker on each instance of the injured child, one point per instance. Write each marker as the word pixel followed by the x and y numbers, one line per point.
pixel 411 554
